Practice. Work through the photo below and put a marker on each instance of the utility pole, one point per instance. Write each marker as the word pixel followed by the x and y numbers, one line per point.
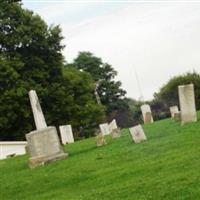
pixel 141 98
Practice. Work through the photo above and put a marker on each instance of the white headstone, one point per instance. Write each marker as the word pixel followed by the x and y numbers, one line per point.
pixel 146 111
pixel 66 134
pixel 39 119
pixel 187 103
pixel 104 128
pixel 113 125
pixel 173 110
pixel 137 134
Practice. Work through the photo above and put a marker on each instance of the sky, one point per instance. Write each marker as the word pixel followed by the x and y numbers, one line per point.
pixel 146 41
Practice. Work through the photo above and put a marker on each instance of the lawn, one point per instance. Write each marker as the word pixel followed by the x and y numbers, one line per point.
pixel 166 166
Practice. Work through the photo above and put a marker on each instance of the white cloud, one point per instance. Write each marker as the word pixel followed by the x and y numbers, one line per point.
pixel 159 41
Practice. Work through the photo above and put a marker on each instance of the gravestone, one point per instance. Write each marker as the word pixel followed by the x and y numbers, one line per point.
pixel 113 125
pixel 104 128
pixel 39 119
pixel 114 130
pixel 146 113
pixel 137 134
pixel 187 103
pixel 173 110
pixel 116 133
pixel 100 140
pixel 66 134
pixel 43 144
pixel 148 117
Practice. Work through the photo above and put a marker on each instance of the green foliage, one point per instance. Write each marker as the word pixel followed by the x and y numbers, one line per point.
pixel 165 167
pixel 110 91
pixel 168 94
pixel 81 111
pixel 30 58
pixel 134 106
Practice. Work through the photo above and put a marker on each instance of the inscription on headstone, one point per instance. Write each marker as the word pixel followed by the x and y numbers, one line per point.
pixel 137 134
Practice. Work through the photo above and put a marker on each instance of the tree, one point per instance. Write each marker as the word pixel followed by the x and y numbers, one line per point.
pixel 168 94
pixel 31 58
pixel 111 94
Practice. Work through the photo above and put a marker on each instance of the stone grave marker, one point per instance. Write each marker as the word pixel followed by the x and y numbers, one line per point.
pixel 66 134
pixel 146 113
pixel 137 134
pixel 114 130
pixel 104 128
pixel 116 133
pixel 100 140
pixel 43 144
pixel 113 125
pixel 187 103
pixel 173 110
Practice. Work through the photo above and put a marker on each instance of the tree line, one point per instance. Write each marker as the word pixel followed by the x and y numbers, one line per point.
pixel 31 58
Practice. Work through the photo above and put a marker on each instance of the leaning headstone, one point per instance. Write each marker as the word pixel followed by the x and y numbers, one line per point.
pixel 187 103
pixel 113 125
pixel 114 130
pixel 66 134
pixel 137 134
pixel 43 145
pixel 100 140
pixel 104 128
pixel 173 110
pixel 39 119
pixel 146 113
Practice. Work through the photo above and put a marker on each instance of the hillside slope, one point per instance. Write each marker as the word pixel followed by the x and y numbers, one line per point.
pixel 166 166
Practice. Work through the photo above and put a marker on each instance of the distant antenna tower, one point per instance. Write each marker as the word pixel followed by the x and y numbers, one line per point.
pixel 141 98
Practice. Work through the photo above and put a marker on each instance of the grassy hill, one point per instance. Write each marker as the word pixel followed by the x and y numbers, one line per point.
pixel 166 166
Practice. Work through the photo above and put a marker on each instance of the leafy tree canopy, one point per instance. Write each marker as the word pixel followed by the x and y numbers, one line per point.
pixel 31 58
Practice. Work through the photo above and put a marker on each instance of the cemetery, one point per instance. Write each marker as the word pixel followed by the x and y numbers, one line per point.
pixel 70 129
pixel 159 168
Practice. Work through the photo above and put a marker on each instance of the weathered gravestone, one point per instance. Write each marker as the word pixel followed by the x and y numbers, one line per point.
pixel 113 125
pixel 173 110
pixel 187 103
pixel 43 144
pixel 100 140
pixel 104 128
pixel 66 134
pixel 146 113
pixel 114 130
pixel 137 134
pixel 39 119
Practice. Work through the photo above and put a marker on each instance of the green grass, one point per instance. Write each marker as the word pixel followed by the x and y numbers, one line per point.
pixel 166 166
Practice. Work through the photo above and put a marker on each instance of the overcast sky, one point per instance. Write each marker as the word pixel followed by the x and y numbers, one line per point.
pixel 155 39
